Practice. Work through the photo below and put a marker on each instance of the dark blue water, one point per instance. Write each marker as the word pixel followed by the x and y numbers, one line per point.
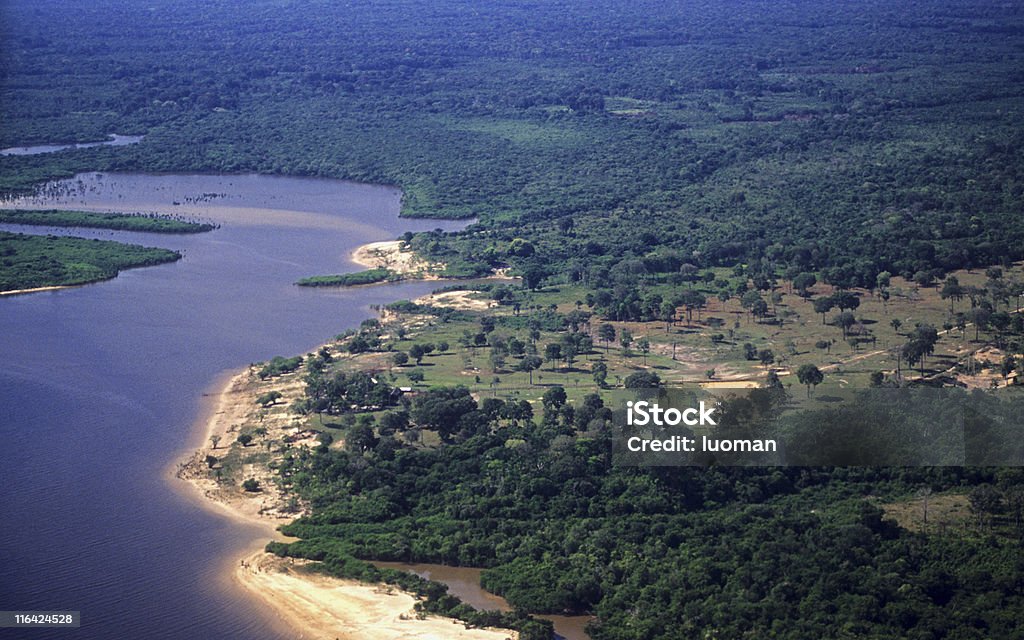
pixel 100 388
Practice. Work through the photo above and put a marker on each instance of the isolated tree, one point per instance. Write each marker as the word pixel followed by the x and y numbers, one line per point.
pixel 920 343
pixel 844 321
pixel 823 306
pixel 529 364
pixel 645 348
pixel 552 353
pixel 846 300
pixel 803 282
pixel 809 375
pixel 269 398
pixel 952 291
pixel 606 333
pixel 215 440
pixel 626 340
pixel 766 356
pixel 400 358
pixel 600 371
pixel 416 352
pixel 1008 365
pixel 244 439
pixel 759 309
pixel 251 485
pixel 642 380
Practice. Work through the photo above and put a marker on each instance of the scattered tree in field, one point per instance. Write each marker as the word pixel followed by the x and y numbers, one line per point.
pixel 952 291
pixel 823 306
pixel 1008 365
pixel 626 340
pixel 269 398
pixel 215 440
pixel 643 380
pixel 803 282
pixel 416 376
pixel 810 376
pixel 600 371
pixel 211 461
pixel 645 348
pixel 766 356
pixel 244 439
pixel 606 333
pixel 920 343
pixel 416 352
pixel 252 485
pixel 529 364
pixel 844 321
pixel 400 358
pixel 552 353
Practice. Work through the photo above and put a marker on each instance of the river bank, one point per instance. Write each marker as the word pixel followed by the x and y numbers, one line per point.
pixel 391 255
pixel 309 604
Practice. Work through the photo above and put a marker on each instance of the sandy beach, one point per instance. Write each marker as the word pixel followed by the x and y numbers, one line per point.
pixel 18 292
pixel 308 604
pixel 390 255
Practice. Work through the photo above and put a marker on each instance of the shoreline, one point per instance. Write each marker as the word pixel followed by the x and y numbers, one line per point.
pixel 55 287
pixel 388 254
pixel 305 604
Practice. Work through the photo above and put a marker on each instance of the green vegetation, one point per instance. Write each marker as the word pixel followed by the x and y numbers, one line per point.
pixel 118 221
pixel 601 144
pixel 561 529
pixel 28 262
pixel 769 194
pixel 279 366
pixel 369 276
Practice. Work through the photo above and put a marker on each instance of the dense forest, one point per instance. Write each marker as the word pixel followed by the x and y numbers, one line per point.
pixel 658 552
pixel 851 139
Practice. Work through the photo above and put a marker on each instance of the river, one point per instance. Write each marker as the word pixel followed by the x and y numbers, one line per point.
pixel 101 387
pixel 115 141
